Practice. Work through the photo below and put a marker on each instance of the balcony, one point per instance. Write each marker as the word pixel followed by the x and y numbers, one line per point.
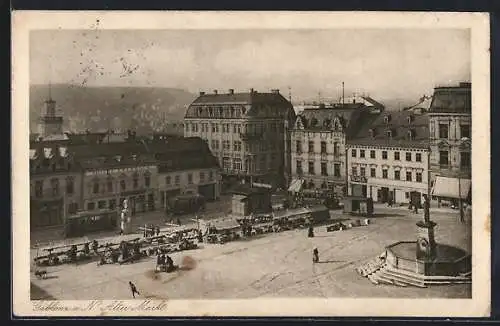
pixel 358 178
pixel 248 136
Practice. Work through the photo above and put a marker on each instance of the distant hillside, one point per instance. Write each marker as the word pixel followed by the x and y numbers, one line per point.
pixel 118 108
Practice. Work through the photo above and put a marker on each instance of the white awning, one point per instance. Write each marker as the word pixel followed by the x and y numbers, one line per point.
pixel 296 185
pixel 451 187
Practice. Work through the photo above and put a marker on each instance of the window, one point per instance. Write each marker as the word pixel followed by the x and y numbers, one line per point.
pixel 384 173
pixel 190 178
pixel 418 157
pixel 70 185
pixel 353 152
pixel 72 208
pixel 323 147
pixel 298 146
pixel 202 176
pixel 418 176
pixel 237 146
pixel 135 182
pixel 109 185
pixel 336 170
pixel 214 127
pixel 90 206
pixel 262 163
pixel 168 180
pixel 323 169
pixel 408 175
pixel 226 163
pixel 311 167
pixel 465 160
pixel 397 175
pixel 362 171
pixel 226 145
pixel 54 184
pixel 354 170
pixel 384 155
pixel 101 204
pixel 443 130
pixel 95 187
pixel 147 180
pixel 123 185
pixel 396 156
pixel 112 204
pixel 336 148
pixel 373 172
pixel 39 189
pixel 299 167
pixel 465 131
pixel 362 153
pixel 407 195
pixel 237 128
pixel 311 147
pixel 210 176
pixel 443 158
pixel 237 165
pixel 177 180
pixel 408 156
pixel 372 154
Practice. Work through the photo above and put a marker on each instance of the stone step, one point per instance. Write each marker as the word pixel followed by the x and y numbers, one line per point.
pixel 403 278
pixel 427 278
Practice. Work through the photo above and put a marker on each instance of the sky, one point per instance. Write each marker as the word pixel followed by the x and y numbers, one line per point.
pixel 311 64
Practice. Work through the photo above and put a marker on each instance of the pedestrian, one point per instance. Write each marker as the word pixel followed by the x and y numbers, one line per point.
pixel 178 221
pixel 133 289
pixel 415 209
pixel 315 255
pixel 310 234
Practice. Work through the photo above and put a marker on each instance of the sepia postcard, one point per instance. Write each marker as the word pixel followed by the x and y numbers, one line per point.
pixel 250 164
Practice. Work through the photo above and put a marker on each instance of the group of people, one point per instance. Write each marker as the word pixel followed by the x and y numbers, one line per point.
pixel 164 263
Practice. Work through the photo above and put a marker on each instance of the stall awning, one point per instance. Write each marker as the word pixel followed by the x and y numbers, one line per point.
pixel 451 187
pixel 296 185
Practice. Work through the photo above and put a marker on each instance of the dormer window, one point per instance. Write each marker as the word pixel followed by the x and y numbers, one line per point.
pixel 387 119
pixel 372 133
pixel 134 157
pixel 389 133
pixel 200 110
pixel 118 158
pixel 411 134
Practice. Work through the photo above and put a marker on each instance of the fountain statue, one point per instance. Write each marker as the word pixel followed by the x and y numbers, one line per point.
pixel 125 217
pixel 426 243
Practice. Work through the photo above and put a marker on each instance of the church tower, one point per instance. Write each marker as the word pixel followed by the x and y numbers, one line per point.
pixel 50 123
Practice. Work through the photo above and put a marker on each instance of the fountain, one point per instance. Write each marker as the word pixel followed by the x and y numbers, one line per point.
pixel 420 263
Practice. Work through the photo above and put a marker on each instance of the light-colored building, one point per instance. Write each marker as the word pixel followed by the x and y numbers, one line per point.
pixel 247 132
pixel 388 157
pixel 318 150
pixel 450 141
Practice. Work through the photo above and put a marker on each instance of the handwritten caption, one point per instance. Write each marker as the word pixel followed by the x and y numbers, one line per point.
pixel 100 306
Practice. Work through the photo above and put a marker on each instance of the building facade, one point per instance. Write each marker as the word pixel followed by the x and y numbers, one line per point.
pixel 450 141
pixel 245 131
pixel 318 146
pixel 388 158
pixel 55 184
pixel 87 173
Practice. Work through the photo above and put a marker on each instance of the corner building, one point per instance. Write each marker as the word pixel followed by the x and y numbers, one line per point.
pixel 247 132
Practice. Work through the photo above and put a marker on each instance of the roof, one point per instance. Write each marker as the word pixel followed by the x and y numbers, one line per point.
pixel 399 126
pixel 252 104
pixel 246 190
pixel 326 118
pixel 452 99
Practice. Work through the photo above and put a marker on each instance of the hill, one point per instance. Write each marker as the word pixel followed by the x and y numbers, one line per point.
pixel 118 108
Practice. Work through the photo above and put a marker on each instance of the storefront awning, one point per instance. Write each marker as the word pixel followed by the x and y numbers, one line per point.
pixel 296 185
pixel 451 187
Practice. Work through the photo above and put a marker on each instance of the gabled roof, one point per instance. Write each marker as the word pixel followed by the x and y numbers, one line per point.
pixel 404 133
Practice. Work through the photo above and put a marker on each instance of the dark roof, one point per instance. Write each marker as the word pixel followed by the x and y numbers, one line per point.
pixel 399 126
pixel 323 118
pixel 452 99
pixel 257 101
pixel 246 190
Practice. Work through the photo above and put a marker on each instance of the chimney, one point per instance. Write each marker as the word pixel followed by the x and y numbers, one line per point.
pixel 231 91
pixel 202 93
pixel 251 91
pixel 215 91
pixel 275 91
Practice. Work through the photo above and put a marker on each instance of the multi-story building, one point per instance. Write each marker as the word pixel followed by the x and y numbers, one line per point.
pixel 95 172
pixel 450 141
pixel 388 157
pixel 318 140
pixel 55 183
pixel 246 132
